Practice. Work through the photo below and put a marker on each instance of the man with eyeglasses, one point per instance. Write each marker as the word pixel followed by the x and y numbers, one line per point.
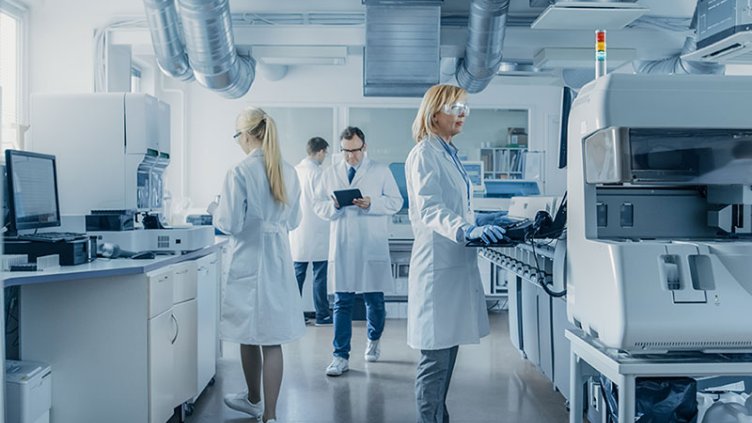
pixel 359 259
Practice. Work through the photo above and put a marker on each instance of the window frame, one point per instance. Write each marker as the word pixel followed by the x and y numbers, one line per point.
pixel 20 13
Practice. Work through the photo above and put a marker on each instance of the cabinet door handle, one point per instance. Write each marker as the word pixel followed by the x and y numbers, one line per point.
pixel 182 272
pixel 177 328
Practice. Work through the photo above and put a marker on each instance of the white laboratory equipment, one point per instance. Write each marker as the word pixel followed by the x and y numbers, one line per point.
pixel 112 151
pixel 658 241
pixel 28 391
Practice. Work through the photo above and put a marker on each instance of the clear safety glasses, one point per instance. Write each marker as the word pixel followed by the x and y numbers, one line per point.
pixel 456 109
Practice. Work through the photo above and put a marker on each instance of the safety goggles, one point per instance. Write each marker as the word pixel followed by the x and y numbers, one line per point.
pixel 456 109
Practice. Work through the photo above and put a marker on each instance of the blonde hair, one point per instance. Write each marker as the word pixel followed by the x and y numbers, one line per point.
pixel 436 97
pixel 257 123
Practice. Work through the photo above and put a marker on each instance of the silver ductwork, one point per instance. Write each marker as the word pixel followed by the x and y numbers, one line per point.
pixel 167 40
pixel 209 45
pixel 211 48
pixel 483 52
pixel 677 66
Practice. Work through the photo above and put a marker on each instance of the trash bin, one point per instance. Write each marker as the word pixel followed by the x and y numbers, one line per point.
pixel 28 392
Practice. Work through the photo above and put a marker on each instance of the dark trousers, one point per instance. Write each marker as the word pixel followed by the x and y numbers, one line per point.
pixel 320 300
pixel 432 384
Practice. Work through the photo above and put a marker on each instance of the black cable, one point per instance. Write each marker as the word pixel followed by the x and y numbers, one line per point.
pixel 540 276
pixel 492 306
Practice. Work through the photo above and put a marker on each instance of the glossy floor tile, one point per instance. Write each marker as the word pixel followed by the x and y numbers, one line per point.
pixel 491 383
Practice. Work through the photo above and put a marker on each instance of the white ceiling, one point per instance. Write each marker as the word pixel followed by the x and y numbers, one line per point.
pixel 520 43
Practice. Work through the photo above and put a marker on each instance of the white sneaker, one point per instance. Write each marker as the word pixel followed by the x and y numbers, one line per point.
pixel 373 350
pixel 240 402
pixel 338 366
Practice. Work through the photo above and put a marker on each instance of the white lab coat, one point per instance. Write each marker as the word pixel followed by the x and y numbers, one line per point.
pixel 261 304
pixel 359 242
pixel 445 304
pixel 309 242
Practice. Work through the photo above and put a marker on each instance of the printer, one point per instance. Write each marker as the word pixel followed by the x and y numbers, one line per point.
pixel 658 242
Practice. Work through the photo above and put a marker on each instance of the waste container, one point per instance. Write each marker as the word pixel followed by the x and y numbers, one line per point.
pixel 28 392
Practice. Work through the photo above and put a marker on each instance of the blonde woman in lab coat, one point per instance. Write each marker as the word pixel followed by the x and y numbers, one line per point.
pixel 261 307
pixel 446 305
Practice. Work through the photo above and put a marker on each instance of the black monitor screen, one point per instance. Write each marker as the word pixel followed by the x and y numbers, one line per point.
pixel 32 190
pixel 566 106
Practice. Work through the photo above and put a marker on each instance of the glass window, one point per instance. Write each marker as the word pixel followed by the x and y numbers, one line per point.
pixel 11 101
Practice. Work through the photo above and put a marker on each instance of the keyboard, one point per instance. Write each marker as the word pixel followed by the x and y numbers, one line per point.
pixel 52 236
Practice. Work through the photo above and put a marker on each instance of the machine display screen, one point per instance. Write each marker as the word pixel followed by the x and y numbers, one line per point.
pixel 32 184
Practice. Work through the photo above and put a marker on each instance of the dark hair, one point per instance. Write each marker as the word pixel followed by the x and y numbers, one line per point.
pixel 315 145
pixel 352 131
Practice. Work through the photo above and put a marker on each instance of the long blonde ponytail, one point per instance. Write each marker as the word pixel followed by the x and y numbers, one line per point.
pixel 262 126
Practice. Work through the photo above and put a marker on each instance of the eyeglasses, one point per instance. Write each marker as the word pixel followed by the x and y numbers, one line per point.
pixel 353 151
pixel 456 109
pixel 237 134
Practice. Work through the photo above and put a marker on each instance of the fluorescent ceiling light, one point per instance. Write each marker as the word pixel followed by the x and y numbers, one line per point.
pixel 588 15
pixel 300 55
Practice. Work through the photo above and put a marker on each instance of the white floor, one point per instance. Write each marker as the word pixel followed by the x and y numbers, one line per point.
pixel 491 383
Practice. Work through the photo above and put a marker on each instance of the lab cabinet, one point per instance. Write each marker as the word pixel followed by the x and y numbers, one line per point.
pixel 184 352
pixel 160 367
pixel 124 347
pixel 160 338
pixel 207 303
pixel 184 341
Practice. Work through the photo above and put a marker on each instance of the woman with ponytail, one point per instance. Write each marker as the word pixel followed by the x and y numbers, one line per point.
pixel 261 307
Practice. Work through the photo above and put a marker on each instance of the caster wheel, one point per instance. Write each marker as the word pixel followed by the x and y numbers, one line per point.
pixel 212 381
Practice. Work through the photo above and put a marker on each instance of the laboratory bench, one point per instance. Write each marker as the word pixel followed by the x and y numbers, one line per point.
pixel 127 340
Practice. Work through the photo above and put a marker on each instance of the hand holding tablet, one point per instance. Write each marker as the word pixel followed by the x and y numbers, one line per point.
pixel 345 197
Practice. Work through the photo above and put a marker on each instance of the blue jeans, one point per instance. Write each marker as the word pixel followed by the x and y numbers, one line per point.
pixel 432 384
pixel 320 300
pixel 375 315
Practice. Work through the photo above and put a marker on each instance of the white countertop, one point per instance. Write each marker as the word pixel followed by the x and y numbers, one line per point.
pixel 102 267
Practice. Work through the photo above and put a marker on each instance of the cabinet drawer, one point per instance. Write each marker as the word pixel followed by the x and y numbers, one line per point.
pixel 183 281
pixel 160 291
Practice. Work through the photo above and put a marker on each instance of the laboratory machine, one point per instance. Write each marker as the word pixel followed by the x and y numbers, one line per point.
pixel 113 150
pixel 658 242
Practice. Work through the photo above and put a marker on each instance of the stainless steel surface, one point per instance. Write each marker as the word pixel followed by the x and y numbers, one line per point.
pixel 167 39
pixel 485 41
pixel 211 48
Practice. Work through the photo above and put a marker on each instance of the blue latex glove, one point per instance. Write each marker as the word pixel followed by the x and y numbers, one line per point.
pixel 494 218
pixel 487 233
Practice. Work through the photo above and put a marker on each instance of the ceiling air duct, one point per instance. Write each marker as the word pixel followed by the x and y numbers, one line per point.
pixel 401 56
pixel 209 44
pixel 486 28
pixel 167 39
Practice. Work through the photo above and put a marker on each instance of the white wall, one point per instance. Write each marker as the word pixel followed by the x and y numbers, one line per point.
pixel 211 118
pixel 61 60
pixel 61 44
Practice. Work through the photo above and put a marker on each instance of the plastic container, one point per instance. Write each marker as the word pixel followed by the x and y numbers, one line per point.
pixel 28 392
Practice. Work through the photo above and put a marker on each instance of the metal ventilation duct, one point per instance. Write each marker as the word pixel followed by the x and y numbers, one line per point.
pixel 401 55
pixel 211 48
pixel 167 40
pixel 676 65
pixel 209 53
pixel 485 40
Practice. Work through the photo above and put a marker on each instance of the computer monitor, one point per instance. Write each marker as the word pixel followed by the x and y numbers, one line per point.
pixel 32 190
pixel 475 172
